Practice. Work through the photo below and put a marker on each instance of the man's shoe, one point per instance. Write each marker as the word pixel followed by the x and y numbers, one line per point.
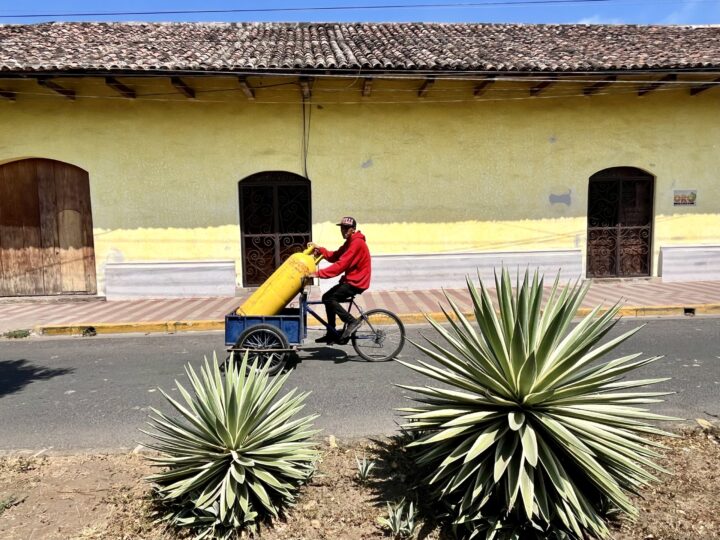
pixel 351 327
pixel 327 338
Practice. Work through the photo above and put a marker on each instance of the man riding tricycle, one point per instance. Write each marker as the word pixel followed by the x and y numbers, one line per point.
pixel 268 330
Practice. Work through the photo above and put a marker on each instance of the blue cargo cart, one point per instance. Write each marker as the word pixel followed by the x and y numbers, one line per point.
pixel 272 338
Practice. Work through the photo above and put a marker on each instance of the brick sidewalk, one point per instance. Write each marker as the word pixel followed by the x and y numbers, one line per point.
pixel 640 298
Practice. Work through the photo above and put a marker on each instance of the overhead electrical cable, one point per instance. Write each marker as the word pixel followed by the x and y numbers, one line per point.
pixel 329 8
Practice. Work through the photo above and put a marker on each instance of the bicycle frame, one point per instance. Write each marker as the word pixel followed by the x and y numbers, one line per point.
pixel 305 307
pixel 289 329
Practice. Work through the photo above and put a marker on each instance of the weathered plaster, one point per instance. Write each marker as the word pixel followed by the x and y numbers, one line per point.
pixel 442 174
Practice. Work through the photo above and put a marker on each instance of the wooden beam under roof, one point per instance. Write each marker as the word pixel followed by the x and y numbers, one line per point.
pixel 695 90
pixel 425 88
pixel 305 87
pixel 657 84
pixel 183 87
pixel 367 87
pixel 248 90
pixel 542 85
pixel 482 86
pixel 7 94
pixel 599 85
pixel 120 88
pixel 50 85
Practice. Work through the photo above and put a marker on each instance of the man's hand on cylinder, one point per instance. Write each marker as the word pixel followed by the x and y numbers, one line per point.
pixel 316 248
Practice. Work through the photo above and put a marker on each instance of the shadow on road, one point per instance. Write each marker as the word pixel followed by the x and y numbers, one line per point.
pixel 17 374
pixel 329 354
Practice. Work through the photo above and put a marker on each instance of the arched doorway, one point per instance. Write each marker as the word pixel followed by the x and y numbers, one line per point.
pixel 46 237
pixel 275 221
pixel 620 220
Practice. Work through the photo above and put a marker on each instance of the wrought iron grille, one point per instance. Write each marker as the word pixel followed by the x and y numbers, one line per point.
pixel 620 214
pixel 275 219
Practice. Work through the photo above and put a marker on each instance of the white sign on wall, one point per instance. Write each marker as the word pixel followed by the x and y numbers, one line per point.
pixel 684 197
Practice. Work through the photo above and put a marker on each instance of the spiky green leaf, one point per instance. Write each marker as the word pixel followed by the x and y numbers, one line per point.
pixel 236 455
pixel 532 388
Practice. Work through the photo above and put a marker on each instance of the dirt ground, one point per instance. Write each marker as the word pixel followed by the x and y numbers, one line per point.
pixel 104 497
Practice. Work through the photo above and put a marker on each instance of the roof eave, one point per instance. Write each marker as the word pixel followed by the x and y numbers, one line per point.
pixel 410 73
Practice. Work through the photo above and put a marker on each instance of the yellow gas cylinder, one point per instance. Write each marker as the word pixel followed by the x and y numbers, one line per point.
pixel 282 286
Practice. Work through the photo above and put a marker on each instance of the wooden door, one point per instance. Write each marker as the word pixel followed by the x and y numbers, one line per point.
pixel 620 219
pixel 275 221
pixel 21 257
pixel 46 241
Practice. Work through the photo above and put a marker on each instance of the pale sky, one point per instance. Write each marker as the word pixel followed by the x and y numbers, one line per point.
pixel 490 11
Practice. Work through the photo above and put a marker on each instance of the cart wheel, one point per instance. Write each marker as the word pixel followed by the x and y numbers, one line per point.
pixel 263 336
pixel 380 336
pixel 228 358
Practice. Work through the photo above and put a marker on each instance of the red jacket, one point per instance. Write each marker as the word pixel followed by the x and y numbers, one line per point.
pixel 353 258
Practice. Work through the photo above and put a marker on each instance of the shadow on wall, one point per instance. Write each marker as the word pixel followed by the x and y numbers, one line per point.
pixel 17 374
pixel 184 203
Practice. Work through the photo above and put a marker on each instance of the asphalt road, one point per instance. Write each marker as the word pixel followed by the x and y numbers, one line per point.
pixel 94 392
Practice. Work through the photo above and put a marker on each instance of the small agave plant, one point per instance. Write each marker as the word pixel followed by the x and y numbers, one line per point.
pixel 364 469
pixel 400 521
pixel 237 454
pixel 529 433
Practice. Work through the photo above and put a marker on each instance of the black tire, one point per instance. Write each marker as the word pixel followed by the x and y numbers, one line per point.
pixel 380 336
pixel 263 336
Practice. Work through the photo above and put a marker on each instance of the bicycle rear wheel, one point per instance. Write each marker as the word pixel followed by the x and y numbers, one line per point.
pixel 380 336
pixel 256 340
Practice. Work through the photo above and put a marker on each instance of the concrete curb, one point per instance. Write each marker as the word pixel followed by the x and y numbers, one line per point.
pixel 172 327
pixel 630 311
pixel 146 327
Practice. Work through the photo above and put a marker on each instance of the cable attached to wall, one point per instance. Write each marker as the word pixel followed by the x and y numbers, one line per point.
pixel 306 118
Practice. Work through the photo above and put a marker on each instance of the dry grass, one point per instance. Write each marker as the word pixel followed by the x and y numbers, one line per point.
pixel 104 497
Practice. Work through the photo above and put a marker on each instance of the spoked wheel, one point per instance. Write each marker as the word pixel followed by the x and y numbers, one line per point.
pixel 380 337
pixel 257 340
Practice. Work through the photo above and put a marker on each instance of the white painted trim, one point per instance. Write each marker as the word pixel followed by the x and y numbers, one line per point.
pixel 434 271
pixel 689 263
pixel 168 279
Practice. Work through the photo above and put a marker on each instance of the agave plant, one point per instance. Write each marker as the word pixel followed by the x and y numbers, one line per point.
pixel 400 521
pixel 529 431
pixel 236 455
pixel 364 469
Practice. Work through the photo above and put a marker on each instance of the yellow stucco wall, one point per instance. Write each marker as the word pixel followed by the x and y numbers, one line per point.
pixel 444 173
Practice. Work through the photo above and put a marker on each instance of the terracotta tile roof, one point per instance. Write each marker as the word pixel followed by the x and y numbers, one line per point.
pixel 55 47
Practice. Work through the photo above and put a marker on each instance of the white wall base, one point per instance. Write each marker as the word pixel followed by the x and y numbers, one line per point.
pixel 390 272
pixel 169 279
pixel 408 272
pixel 689 263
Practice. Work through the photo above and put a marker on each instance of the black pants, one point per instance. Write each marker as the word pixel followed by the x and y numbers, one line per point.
pixel 332 298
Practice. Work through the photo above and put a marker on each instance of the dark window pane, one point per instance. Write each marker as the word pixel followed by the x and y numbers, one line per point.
pixel 602 253
pixel 259 259
pixel 603 203
pixel 636 208
pixel 257 210
pixel 634 251
pixel 290 244
pixel 294 209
